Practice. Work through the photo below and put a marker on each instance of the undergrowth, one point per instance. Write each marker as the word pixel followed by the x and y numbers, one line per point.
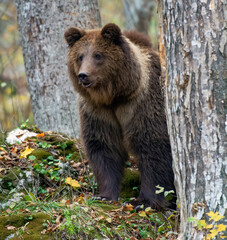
pixel 49 174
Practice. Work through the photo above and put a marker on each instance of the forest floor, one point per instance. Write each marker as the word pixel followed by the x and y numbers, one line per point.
pixel 47 189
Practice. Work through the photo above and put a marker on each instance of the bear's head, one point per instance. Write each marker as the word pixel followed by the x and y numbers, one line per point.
pixel 101 63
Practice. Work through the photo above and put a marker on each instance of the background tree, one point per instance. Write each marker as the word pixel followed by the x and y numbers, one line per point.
pixel 42 25
pixel 138 14
pixel 194 37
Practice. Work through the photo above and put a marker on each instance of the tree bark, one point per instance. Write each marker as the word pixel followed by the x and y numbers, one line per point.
pixel 42 25
pixel 193 46
pixel 138 14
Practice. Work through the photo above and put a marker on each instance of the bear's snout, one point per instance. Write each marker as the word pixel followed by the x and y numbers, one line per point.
pixel 84 79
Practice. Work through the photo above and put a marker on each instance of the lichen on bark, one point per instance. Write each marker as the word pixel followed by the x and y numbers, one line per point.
pixel 192 33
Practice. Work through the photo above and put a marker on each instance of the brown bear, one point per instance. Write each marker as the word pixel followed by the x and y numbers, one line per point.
pixel 121 108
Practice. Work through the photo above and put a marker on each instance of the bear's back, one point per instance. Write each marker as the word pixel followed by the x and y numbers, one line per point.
pixel 138 38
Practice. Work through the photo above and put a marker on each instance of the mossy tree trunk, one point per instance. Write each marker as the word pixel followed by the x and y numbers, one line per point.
pixel 42 25
pixel 194 51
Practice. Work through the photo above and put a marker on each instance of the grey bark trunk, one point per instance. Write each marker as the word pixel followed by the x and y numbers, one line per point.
pixel 193 46
pixel 138 14
pixel 42 25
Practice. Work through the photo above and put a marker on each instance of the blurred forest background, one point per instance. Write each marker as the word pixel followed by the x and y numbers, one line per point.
pixel 15 106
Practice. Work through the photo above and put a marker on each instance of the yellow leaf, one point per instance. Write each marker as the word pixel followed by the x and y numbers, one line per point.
pixel 213 233
pixel 223 236
pixel 108 219
pixel 142 214
pixel 209 226
pixel 148 209
pixel 208 237
pixel 220 227
pixel 201 224
pixel 72 182
pixel 26 152
pixel 214 216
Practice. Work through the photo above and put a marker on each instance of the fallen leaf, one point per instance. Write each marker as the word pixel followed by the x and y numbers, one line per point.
pixel 26 152
pixel 14 150
pixel 127 207
pixel 67 202
pixel 142 214
pixel 80 199
pixel 76 165
pixel 108 219
pixel 58 219
pixel 72 182
pixel 40 135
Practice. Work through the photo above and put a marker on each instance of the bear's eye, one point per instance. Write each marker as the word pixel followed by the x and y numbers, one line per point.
pixel 80 58
pixel 98 56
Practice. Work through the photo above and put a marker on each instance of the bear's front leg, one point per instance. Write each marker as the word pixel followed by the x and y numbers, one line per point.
pixel 155 164
pixel 102 139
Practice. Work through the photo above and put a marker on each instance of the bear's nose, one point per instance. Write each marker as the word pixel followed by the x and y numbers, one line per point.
pixel 83 77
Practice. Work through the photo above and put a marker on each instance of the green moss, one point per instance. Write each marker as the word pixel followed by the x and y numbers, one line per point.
pixel 64 145
pixel 130 180
pixel 41 154
pixel 32 230
pixel 70 148
pixel 76 156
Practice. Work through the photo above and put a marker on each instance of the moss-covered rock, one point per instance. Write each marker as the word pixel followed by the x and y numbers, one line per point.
pixel 41 154
pixel 130 183
pixel 31 231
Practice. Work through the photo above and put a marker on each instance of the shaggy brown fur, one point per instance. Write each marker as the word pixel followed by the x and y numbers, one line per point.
pixel 121 109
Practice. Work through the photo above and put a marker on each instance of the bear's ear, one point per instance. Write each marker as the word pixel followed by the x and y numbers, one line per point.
pixel 73 34
pixel 112 32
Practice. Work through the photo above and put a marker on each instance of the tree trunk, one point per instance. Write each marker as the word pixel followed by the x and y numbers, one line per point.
pixel 193 42
pixel 42 25
pixel 138 14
